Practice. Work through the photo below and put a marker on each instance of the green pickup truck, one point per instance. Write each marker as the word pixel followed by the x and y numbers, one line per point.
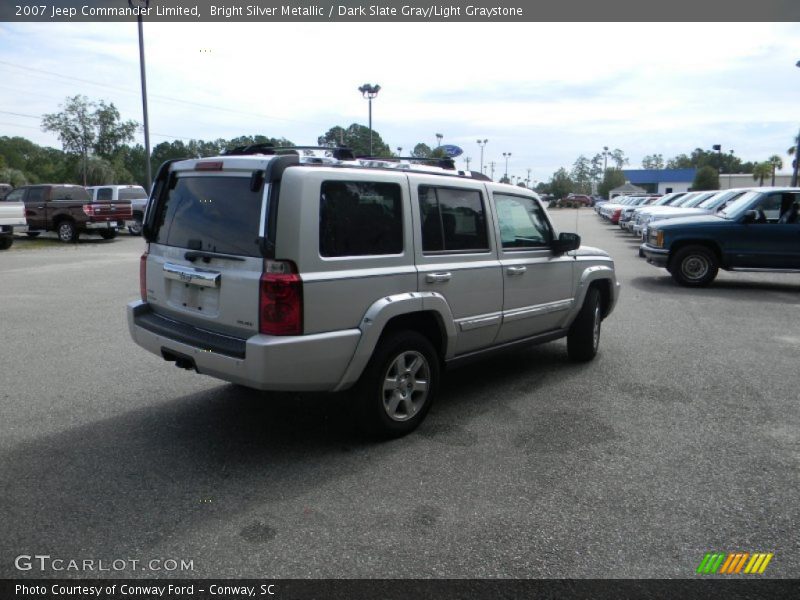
pixel 759 231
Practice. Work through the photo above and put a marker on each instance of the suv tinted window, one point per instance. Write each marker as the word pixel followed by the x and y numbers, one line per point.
pixel 360 219
pixel 133 193
pixel 74 192
pixel 452 220
pixel 15 196
pixel 35 195
pixel 215 214
pixel 105 194
pixel 522 222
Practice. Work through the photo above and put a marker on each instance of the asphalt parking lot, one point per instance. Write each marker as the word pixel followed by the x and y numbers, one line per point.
pixel 681 438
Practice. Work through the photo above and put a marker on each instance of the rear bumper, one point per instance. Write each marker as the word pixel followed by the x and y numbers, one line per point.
pixel 103 224
pixel 280 363
pixel 658 257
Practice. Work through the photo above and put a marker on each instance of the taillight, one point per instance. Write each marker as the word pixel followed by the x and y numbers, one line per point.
pixel 280 302
pixel 143 277
pixel 89 210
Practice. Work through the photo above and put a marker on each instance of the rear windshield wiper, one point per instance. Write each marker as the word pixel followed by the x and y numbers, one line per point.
pixel 193 255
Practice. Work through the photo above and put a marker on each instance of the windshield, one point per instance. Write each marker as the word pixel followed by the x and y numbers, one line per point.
pixel 697 200
pixel 719 199
pixel 132 193
pixel 683 200
pixel 735 209
pixel 665 199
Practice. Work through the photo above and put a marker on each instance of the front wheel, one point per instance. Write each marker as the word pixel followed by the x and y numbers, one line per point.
pixel 397 388
pixel 6 241
pixel 108 234
pixel 694 266
pixel 583 339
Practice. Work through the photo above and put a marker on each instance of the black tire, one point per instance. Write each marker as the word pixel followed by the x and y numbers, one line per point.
pixel 406 403
pixel 583 338
pixel 694 266
pixel 33 234
pixel 66 232
pixel 136 228
pixel 6 241
pixel 108 234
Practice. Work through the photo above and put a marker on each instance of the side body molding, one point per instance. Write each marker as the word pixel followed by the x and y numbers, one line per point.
pixel 381 312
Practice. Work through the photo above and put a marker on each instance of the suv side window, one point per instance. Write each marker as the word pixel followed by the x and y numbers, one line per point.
pixel 35 195
pixel 522 223
pixel 105 194
pixel 358 218
pixel 453 220
pixel 15 196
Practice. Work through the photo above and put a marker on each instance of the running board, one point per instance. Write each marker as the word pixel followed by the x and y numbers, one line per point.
pixel 756 270
pixel 534 340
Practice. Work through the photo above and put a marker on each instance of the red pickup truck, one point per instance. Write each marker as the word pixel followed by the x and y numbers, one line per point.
pixel 69 211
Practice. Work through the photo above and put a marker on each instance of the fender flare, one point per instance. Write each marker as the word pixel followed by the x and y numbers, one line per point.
pixel 590 275
pixel 378 316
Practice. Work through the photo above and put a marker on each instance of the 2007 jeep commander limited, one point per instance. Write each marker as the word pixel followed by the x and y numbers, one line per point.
pixel 278 271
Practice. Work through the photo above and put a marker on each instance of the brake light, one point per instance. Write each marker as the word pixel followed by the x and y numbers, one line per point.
pixel 89 210
pixel 280 303
pixel 209 165
pixel 143 276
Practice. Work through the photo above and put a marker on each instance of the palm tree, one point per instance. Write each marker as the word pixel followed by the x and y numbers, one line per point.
pixel 762 170
pixel 793 149
pixel 776 163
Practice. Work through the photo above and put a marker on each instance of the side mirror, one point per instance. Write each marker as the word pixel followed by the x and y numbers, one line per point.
pixel 566 242
pixel 751 216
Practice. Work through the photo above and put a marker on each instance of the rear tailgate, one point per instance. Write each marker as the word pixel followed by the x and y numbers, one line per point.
pixel 12 213
pixel 99 212
pixel 204 266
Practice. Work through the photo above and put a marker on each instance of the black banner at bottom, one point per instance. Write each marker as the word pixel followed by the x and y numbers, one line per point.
pixel 394 589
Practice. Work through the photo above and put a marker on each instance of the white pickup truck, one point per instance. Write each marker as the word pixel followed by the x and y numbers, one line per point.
pixel 12 214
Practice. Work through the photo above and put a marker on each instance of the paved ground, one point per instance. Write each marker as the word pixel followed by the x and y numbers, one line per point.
pixel 680 438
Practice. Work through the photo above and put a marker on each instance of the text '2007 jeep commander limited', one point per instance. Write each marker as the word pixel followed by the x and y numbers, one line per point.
pixel 310 270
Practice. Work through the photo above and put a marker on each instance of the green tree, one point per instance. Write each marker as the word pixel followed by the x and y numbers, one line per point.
pixel 618 157
pixel 421 150
pixel 356 137
pixel 13 176
pixel 777 163
pixel 112 131
pixel 613 178
pixel 99 171
pixel 761 171
pixel 581 175
pixel 706 178
pixel 561 184
pixel 653 161
pixel 75 128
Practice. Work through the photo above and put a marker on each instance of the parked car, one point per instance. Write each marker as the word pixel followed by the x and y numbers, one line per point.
pixel 625 216
pixel 69 211
pixel 702 204
pixel 581 199
pixel 287 272
pixel 136 194
pixel 757 231
pixel 12 215
pixel 639 215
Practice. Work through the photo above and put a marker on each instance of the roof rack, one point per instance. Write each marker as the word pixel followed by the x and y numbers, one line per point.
pixel 339 153
pixel 443 162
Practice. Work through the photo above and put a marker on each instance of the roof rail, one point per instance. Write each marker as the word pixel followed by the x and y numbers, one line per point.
pixel 443 162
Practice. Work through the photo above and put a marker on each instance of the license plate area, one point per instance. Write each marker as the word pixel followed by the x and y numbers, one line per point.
pixel 192 290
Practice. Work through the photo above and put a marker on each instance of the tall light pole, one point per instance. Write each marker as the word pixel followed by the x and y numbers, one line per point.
pixel 439 137
pixel 399 151
pixel 796 150
pixel 506 155
pixel 605 160
pixel 491 165
pixel 718 148
pixel 482 143
pixel 146 124
pixel 466 160
pixel 369 92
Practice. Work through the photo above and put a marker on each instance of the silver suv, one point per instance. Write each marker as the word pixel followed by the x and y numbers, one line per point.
pixel 310 270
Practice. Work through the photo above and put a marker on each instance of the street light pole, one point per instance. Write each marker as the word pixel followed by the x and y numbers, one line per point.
pixel 141 4
pixel 605 160
pixel 399 151
pixel 439 137
pixel 369 92
pixel 506 155
pixel 491 165
pixel 482 143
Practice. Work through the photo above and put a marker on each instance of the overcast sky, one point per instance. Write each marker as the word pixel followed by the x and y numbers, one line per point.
pixel 543 92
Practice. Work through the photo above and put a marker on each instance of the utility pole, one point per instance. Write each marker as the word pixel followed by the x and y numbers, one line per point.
pixel 369 92
pixel 491 165
pixel 482 143
pixel 146 125
pixel 466 160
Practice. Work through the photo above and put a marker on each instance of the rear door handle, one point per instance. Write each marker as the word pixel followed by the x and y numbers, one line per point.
pixel 516 270
pixel 438 277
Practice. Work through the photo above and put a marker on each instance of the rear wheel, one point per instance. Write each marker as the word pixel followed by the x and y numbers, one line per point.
pixel 397 388
pixel 694 266
pixel 108 234
pixel 6 241
pixel 67 232
pixel 583 339
pixel 135 228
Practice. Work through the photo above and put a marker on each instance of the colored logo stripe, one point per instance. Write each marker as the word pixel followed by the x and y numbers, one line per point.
pixel 732 563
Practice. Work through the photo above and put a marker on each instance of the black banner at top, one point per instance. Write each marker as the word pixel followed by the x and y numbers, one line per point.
pixel 188 11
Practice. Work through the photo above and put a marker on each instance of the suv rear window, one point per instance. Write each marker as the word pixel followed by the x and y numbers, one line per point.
pixel 134 193
pixel 74 192
pixel 214 214
pixel 360 219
